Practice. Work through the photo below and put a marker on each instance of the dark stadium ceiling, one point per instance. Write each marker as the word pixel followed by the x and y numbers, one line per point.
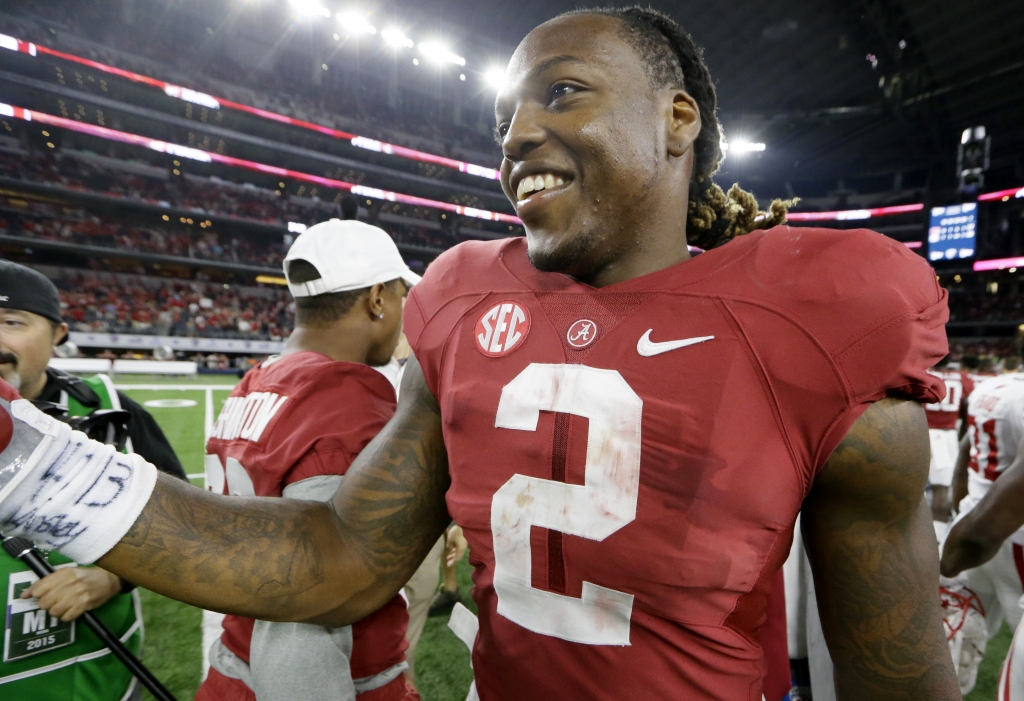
pixel 835 88
pixel 796 75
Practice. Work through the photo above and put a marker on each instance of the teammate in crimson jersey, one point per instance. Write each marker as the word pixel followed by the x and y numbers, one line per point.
pixel 945 437
pixel 291 428
pixel 625 434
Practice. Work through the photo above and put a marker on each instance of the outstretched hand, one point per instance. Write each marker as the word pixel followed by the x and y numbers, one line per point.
pixel 71 591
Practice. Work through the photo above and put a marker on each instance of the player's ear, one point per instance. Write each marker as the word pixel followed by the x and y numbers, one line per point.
pixel 375 300
pixel 683 124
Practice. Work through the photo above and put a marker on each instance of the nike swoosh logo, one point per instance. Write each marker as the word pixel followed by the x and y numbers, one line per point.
pixel 647 348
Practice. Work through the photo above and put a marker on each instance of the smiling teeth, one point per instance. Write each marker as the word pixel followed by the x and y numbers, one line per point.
pixel 536 183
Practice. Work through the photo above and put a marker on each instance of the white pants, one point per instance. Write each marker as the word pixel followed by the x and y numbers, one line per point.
pixel 945 448
pixel 1011 676
pixel 803 624
pixel 999 583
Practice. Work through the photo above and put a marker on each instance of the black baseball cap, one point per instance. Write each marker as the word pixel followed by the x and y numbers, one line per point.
pixel 28 290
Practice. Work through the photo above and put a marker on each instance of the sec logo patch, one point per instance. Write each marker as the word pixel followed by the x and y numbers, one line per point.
pixel 502 329
pixel 582 333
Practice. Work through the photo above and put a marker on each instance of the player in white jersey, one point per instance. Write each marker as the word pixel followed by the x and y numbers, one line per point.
pixel 946 426
pixel 995 520
pixel 995 427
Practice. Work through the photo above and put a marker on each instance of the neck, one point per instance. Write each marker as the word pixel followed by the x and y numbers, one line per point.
pixel 337 342
pixel 640 249
pixel 640 260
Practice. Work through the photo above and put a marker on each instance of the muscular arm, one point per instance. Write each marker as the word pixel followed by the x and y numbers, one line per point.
pixel 976 538
pixel 872 549
pixel 290 560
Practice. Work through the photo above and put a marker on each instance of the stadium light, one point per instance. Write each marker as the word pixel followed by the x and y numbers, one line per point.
pixel 439 53
pixel 396 39
pixel 1004 195
pixel 852 214
pixel 310 8
pixel 495 77
pixel 355 23
pixel 742 146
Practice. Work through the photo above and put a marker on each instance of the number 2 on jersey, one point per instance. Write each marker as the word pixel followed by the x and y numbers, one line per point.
pixel 601 506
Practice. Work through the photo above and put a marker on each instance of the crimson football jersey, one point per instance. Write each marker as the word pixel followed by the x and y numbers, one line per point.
pixel 627 462
pixel 959 385
pixel 294 417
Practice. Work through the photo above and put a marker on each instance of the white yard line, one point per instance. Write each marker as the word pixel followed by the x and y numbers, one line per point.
pixel 197 475
pixel 208 425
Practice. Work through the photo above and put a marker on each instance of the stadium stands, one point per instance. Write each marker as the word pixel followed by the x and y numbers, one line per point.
pixel 177 230
pixel 106 303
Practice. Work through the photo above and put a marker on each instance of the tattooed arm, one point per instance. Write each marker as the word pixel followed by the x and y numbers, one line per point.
pixel 872 548
pixel 290 560
pixel 976 538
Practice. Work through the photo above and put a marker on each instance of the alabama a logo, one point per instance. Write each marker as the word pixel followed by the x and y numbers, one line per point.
pixel 502 329
pixel 582 333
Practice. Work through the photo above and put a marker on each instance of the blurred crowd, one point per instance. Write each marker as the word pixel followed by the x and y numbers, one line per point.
pixel 79 227
pixel 986 351
pixel 979 305
pixel 130 304
pixel 203 196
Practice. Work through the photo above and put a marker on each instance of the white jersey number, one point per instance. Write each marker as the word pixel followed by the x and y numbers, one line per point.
pixel 954 395
pixel 604 504
pixel 239 484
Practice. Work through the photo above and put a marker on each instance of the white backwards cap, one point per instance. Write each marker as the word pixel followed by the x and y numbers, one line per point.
pixel 349 255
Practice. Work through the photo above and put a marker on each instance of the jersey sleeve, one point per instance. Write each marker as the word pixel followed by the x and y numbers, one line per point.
pixel 457 274
pixel 902 325
pixel 842 319
pixel 881 320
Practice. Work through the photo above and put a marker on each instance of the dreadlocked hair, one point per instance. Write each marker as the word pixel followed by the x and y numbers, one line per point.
pixel 672 59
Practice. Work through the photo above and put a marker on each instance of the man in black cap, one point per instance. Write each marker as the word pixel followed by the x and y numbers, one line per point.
pixel 48 664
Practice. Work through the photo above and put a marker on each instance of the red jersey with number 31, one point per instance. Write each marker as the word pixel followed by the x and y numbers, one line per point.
pixel 627 462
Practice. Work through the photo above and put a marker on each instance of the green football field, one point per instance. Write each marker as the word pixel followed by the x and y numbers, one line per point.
pixel 184 409
pixel 173 648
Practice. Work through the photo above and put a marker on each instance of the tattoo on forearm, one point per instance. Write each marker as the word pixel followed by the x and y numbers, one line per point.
pixel 869 534
pixel 386 498
pixel 183 539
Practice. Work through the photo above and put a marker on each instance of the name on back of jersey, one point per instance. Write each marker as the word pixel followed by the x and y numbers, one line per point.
pixel 247 417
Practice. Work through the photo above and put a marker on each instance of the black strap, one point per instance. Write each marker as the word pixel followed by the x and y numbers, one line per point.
pixel 82 392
